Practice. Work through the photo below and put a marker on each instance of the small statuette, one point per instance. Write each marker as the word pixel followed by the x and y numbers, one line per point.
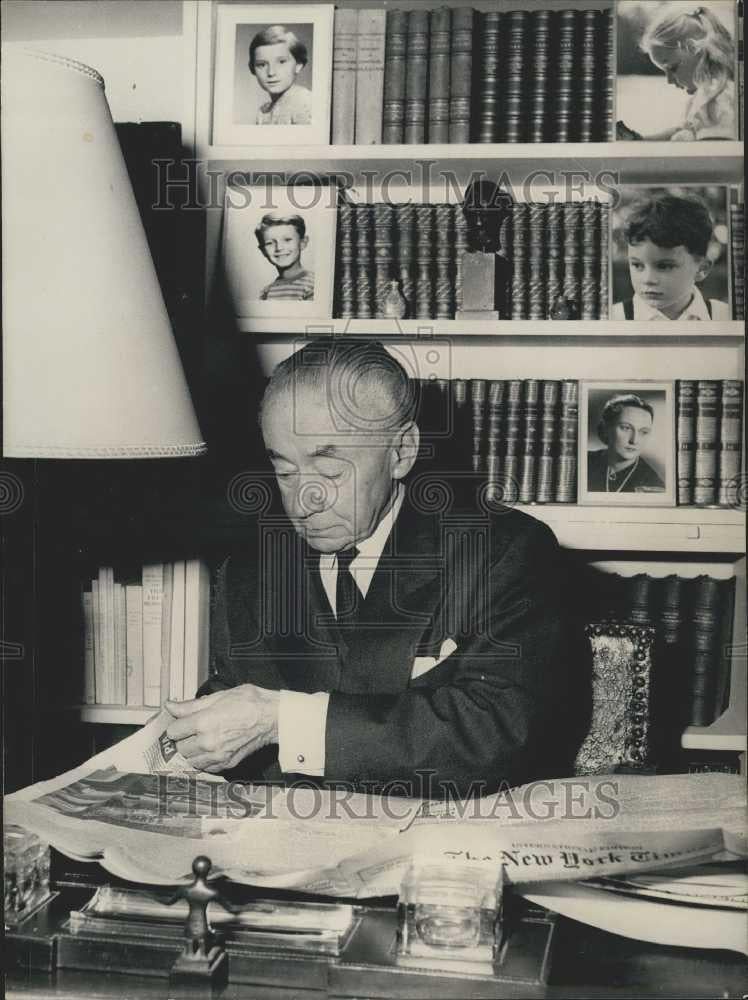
pixel 562 308
pixel 394 305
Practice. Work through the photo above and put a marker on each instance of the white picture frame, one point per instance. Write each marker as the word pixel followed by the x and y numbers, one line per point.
pixel 649 443
pixel 238 98
pixel 249 270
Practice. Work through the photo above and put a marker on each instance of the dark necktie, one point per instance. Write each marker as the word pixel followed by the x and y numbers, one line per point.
pixel 347 594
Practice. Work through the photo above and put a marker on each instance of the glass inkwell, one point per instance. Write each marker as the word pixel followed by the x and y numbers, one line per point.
pixel 450 917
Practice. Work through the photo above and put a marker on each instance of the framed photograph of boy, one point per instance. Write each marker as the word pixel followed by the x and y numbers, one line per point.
pixel 671 254
pixel 627 443
pixel 676 70
pixel 279 250
pixel 273 74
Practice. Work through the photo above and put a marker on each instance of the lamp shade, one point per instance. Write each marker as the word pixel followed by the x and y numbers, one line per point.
pixel 90 366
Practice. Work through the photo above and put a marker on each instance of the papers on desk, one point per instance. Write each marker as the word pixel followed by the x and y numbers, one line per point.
pixel 148 827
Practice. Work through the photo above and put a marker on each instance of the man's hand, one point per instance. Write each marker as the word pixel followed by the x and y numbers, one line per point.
pixel 215 732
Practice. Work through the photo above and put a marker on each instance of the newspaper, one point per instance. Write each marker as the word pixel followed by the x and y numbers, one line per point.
pixel 140 812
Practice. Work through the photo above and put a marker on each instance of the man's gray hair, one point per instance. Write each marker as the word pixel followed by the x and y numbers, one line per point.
pixel 367 389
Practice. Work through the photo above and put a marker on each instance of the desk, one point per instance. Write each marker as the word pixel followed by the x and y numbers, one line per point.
pixel 587 963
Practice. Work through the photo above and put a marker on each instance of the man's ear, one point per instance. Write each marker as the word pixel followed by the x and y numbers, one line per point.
pixel 405 450
pixel 705 266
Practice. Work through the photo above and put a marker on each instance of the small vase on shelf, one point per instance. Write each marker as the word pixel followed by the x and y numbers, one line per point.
pixel 394 305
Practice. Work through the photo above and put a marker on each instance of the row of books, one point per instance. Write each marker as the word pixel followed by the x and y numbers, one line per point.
pixel 146 638
pixel 554 259
pixel 458 75
pixel 709 437
pixel 737 242
pixel 521 434
pixel 693 621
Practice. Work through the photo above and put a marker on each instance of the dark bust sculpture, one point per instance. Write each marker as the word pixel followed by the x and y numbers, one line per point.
pixel 486 270
pixel 485 207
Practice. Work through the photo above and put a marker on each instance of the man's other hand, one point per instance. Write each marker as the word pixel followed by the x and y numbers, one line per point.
pixel 214 733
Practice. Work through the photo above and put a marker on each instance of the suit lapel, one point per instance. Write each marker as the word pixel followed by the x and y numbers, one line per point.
pixel 399 609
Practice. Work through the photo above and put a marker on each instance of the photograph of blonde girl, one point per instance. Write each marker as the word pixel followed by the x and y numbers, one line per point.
pixel 676 70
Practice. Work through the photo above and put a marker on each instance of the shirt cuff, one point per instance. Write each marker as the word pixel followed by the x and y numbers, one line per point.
pixel 302 720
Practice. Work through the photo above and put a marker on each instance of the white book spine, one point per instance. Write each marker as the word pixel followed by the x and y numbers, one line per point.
pixel 153 598
pixel 370 76
pixel 176 648
pixel 344 55
pixel 120 645
pixel 196 626
pixel 106 606
pixel 166 632
pixel 98 645
pixel 89 661
pixel 134 613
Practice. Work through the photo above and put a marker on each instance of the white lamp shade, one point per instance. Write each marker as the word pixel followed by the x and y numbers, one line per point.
pixel 90 366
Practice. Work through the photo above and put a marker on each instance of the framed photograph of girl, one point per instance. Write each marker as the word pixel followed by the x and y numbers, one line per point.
pixel 279 250
pixel 676 71
pixel 273 74
pixel 627 443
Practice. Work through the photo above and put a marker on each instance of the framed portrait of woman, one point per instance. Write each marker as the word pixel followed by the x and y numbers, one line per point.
pixel 273 74
pixel 627 443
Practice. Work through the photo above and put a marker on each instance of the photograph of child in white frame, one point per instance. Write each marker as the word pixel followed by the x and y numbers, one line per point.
pixel 279 250
pixel 671 254
pixel 273 71
pixel 677 64
pixel 627 443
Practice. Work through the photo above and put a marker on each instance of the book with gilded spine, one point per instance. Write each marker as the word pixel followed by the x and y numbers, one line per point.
pixel 707 442
pixel 494 435
pixel 566 478
pixel 461 74
pixel 730 442
pixel 393 98
pixel 478 406
pixel 548 429
pixel 439 72
pixel 416 76
pixel 566 69
pixel 488 49
pixel 540 75
pixel 685 437
pixel 513 120
pixel 530 412
pixel 737 245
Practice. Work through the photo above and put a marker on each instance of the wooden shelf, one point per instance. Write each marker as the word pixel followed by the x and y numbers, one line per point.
pixel 423 166
pixel 125 715
pixel 526 331
pixel 638 529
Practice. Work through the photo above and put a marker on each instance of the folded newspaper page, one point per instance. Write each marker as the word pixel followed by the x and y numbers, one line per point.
pixel 140 812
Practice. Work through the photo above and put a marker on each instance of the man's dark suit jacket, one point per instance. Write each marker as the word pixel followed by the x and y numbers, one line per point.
pixel 498 709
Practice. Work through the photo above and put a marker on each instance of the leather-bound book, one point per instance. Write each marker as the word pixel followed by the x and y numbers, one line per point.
pixel 639 599
pixel 685 439
pixel 730 442
pixel 707 442
pixel 416 76
pixel 604 296
pixel 705 648
pixel 609 77
pixel 590 90
pixel 514 86
pixel 590 283
pixel 486 103
pixel 384 252
pixel 547 443
pixel 520 259
pixel 439 69
pixel 462 427
pixel 568 423
pixel 363 266
pixel 530 413
pixel 554 239
pixel 567 58
pixel 494 436
pixel 537 274
pixel 393 99
pixel 737 245
pixel 405 221
pixel 478 408
pixel 370 75
pixel 444 293
pixel 512 468
pixel 344 56
pixel 460 247
pixel 346 277
pixel 461 74
pixel 424 292
pixel 540 75
pixel 572 254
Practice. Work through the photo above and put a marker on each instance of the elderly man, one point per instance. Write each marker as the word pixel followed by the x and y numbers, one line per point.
pixel 381 642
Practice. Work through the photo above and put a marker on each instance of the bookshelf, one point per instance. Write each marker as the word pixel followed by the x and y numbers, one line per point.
pixel 505 349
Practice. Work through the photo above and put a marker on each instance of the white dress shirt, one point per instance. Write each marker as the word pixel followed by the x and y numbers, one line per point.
pixel 302 717
pixel 695 310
